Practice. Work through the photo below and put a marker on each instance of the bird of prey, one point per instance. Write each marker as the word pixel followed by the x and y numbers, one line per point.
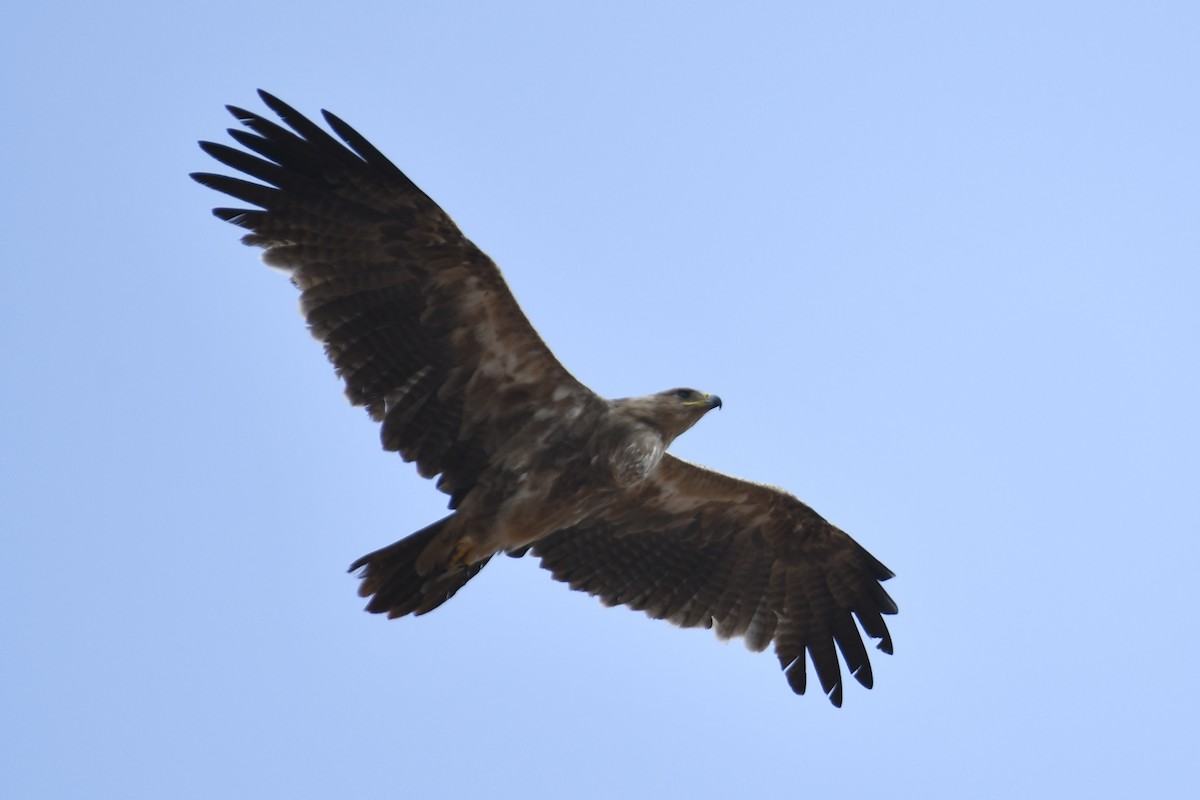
pixel 424 332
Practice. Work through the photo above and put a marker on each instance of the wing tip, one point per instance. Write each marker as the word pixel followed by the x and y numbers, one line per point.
pixel 275 104
pixel 240 114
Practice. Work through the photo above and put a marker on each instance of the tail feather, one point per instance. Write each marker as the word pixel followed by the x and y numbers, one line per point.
pixel 390 578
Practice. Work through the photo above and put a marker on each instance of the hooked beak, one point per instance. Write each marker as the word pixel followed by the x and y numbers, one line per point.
pixel 713 401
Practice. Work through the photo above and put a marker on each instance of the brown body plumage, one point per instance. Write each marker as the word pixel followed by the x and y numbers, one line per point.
pixel 426 335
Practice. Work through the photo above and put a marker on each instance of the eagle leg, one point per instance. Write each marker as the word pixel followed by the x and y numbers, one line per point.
pixel 462 554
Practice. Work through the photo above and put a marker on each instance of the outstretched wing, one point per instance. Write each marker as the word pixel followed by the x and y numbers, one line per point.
pixel 702 549
pixel 418 322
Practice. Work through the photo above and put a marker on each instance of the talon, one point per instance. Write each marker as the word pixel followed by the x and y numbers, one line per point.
pixel 461 556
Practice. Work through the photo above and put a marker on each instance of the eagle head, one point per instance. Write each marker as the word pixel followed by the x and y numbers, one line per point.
pixel 671 412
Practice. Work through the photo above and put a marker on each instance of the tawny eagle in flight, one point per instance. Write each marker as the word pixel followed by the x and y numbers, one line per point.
pixel 423 330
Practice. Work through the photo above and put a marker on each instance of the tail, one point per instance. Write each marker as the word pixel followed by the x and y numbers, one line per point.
pixel 390 579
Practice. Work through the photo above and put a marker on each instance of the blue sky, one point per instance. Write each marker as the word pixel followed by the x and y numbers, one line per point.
pixel 938 259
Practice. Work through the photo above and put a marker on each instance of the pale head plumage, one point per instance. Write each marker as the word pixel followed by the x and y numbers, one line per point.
pixel 671 412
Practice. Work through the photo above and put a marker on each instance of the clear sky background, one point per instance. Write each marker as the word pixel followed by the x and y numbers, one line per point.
pixel 940 259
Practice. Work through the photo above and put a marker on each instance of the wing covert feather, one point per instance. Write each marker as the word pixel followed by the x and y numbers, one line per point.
pixel 416 320
pixel 702 549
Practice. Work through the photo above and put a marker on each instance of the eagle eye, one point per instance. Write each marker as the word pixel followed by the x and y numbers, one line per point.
pixel 684 394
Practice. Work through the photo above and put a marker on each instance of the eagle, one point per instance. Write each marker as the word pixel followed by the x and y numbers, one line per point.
pixel 422 329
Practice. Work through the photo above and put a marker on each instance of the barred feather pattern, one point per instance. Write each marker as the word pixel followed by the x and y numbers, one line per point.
pixel 701 549
pixel 416 320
